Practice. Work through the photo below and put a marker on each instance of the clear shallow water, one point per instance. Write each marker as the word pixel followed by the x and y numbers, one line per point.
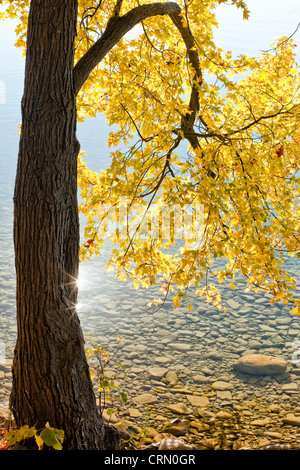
pixel 182 341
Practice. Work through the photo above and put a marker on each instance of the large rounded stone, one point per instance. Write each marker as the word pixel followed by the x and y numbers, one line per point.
pixel 260 364
pixel 145 399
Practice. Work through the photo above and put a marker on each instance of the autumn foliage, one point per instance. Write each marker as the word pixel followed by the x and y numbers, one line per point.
pixel 186 130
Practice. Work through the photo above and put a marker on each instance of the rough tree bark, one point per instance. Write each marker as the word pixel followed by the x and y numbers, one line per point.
pixel 51 381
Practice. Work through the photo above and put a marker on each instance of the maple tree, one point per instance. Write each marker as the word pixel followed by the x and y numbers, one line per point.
pixel 175 87
pixel 188 132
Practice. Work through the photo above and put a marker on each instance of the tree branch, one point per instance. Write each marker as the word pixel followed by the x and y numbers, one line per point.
pixel 114 32
pixel 188 120
pixel 192 53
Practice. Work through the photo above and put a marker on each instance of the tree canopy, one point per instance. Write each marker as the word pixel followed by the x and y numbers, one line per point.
pixel 191 126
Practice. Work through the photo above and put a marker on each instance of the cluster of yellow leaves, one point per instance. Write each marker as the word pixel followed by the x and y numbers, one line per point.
pixel 48 436
pixel 147 87
pixel 17 11
pixel 251 215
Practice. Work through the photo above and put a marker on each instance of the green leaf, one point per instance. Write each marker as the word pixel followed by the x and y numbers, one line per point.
pixel 123 397
pixel 52 437
pixel 28 432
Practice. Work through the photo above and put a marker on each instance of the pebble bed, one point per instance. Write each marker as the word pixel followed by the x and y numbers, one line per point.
pixel 179 363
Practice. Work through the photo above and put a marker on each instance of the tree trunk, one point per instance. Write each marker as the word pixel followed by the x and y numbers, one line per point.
pixel 51 381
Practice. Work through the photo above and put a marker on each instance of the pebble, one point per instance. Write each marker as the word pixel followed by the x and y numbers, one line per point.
pixel 223 415
pixel 171 377
pixel 196 400
pixel 220 385
pixel 200 426
pixel 179 346
pixel 201 378
pixel 274 408
pixel 162 360
pixel 261 422
pixel 215 355
pixel 180 408
pixel 134 413
pixel 145 398
pixel 157 372
pixel 232 303
pixel 290 387
pixel 177 428
pixel 273 435
pixel 173 444
pixel 224 394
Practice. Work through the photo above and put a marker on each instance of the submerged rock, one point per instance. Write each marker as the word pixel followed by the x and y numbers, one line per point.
pixel 171 377
pixel 169 443
pixel 145 399
pixel 290 387
pixel 180 409
pixel 157 372
pixel 260 364
pixel 197 400
pixel 292 419
pixel 175 427
pixel 221 385
pixel 261 422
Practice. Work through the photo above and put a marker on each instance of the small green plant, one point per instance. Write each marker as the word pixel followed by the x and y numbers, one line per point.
pixel 48 436
pixel 147 418
pixel 144 432
pixel 107 387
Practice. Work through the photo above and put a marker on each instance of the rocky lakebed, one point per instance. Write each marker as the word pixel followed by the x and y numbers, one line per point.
pixel 208 378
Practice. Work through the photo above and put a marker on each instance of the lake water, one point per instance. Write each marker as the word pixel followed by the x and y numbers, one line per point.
pixel 179 363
